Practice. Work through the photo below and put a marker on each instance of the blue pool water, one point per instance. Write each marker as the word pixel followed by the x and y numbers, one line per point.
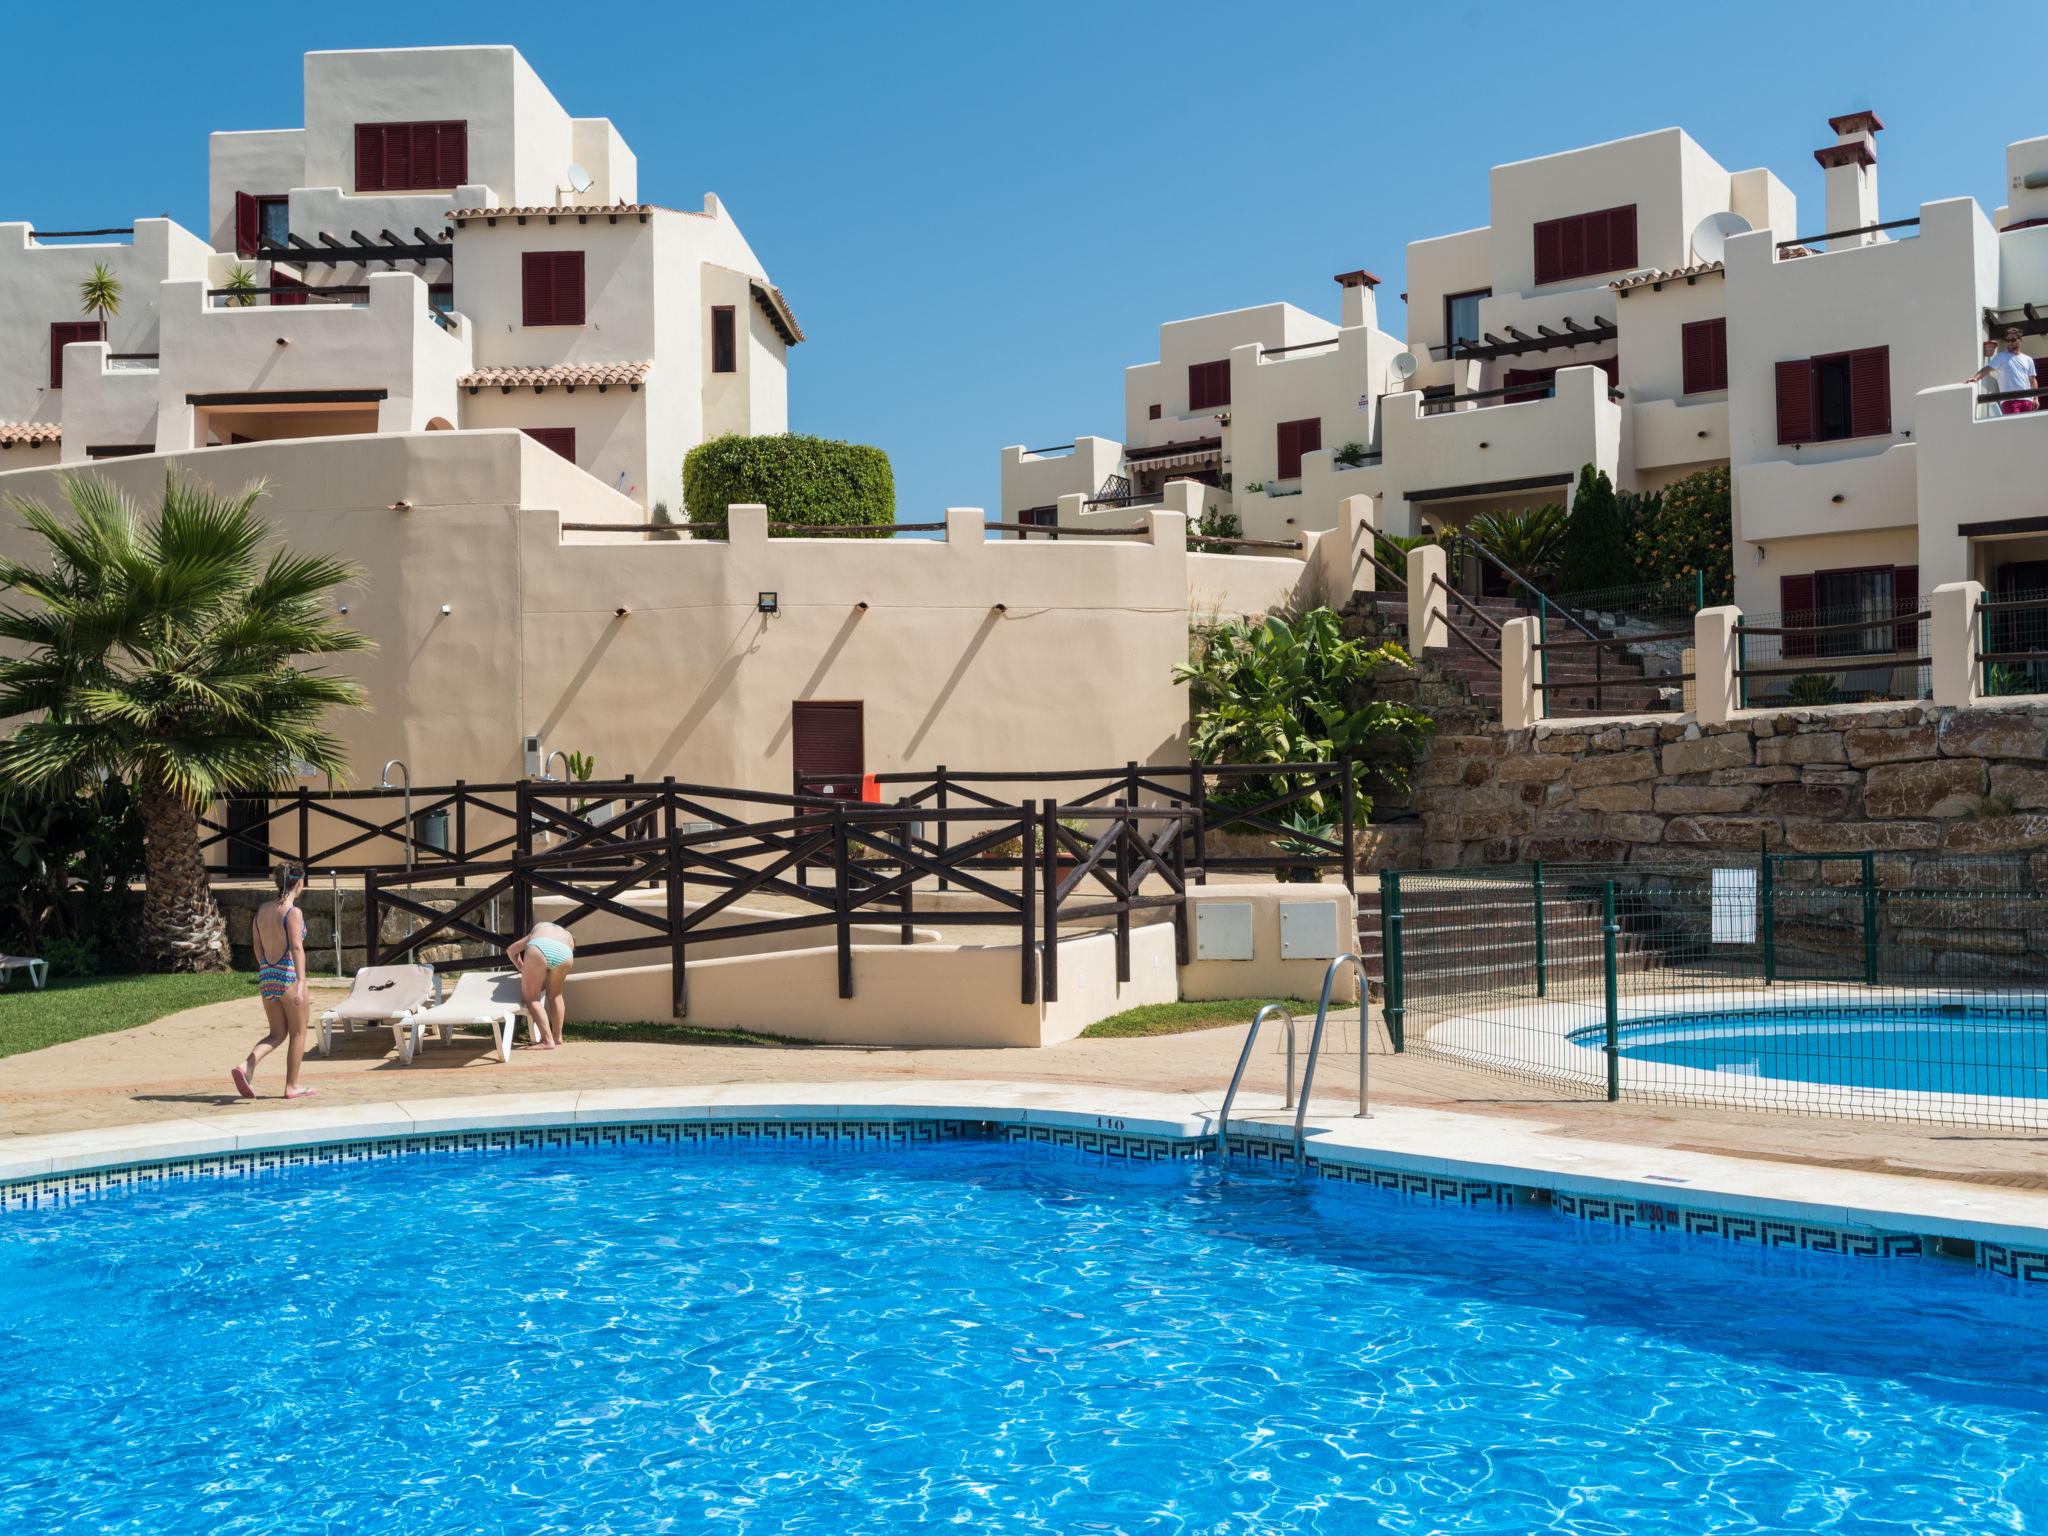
pixel 980 1337
pixel 1923 1049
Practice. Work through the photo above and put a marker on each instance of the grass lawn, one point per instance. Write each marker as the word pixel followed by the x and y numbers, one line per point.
pixel 72 1007
pixel 1179 1018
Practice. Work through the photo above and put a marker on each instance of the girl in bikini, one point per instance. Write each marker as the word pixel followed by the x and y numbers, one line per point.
pixel 278 936
pixel 544 957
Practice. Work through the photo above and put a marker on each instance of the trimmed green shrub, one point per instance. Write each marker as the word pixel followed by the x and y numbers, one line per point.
pixel 1595 550
pixel 1690 533
pixel 1525 538
pixel 814 481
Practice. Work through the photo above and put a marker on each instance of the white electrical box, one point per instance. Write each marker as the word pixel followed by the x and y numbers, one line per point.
pixel 1308 930
pixel 1223 930
pixel 1735 906
pixel 535 760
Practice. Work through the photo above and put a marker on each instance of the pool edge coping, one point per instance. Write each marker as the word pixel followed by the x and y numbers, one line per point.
pixel 1400 1139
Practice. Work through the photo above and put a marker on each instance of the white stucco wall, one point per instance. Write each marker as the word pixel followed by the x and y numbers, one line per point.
pixel 39 286
pixel 1040 480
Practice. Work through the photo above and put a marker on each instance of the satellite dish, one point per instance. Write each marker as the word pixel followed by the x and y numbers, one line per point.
pixel 579 178
pixel 1710 235
pixel 1405 364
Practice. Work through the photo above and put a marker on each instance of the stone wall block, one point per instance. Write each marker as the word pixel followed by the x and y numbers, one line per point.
pixel 1999 834
pixel 1750 832
pixel 1866 745
pixel 1705 799
pixel 1815 800
pixel 1616 768
pixel 1810 747
pixel 1616 797
pixel 1949 787
pixel 1995 733
pixel 1729 749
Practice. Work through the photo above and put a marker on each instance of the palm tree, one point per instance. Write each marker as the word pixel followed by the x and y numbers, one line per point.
pixel 100 295
pixel 163 650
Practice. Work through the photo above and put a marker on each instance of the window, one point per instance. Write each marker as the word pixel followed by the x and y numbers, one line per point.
pixel 1886 595
pixel 411 157
pixel 826 747
pixel 1585 244
pixel 561 439
pixel 1152 413
pixel 260 221
pixel 1038 517
pixel 1541 383
pixel 62 334
pixel 1208 385
pixel 725 347
pixel 441 298
pixel 1297 438
pixel 551 290
pixel 1839 395
pixel 1461 315
pixel 1703 347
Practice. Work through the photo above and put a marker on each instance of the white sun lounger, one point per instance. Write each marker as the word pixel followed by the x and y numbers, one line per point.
pixel 382 994
pixel 489 999
pixel 38 970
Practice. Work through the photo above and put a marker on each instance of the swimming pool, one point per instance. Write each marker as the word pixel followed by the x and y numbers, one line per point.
pixel 1952 1048
pixel 758 1339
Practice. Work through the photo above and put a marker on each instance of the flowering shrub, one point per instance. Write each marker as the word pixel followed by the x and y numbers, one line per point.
pixel 1689 536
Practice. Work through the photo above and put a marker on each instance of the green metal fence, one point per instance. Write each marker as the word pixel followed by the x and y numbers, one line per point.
pixel 1879 985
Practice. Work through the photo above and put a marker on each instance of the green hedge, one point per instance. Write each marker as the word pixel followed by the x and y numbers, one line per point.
pixel 814 481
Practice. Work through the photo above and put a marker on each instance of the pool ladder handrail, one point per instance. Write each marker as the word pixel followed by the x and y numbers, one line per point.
pixel 1308 1071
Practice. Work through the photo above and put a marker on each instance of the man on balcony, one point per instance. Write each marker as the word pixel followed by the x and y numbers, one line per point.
pixel 2014 371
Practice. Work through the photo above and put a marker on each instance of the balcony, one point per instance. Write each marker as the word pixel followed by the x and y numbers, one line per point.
pixel 1452 457
pixel 1979 477
pixel 242 365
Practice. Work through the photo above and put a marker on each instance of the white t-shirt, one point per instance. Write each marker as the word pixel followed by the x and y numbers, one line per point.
pixel 2013 370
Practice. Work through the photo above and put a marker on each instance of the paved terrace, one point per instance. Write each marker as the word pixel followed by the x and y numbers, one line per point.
pixel 177 1067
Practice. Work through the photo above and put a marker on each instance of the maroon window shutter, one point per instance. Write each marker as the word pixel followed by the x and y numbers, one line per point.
pixel 248 224
pixel 1208 385
pixel 1523 384
pixel 1611 366
pixel 536 288
pixel 1549 250
pixel 62 334
pixel 451 154
pixel 1571 260
pixel 1621 238
pixel 369 158
pixel 724 339
pixel 568 288
pixel 561 439
pixel 1795 602
pixel 1795 401
pixel 1870 392
pixel 827 747
pixel 1706 356
pixel 285 280
pixel 1906 600
pixel 1294 438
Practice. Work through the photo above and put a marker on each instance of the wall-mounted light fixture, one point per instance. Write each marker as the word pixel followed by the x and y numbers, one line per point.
pixel 767 602
pixel 861 606
pixel 1838 498
pixel 398 506
pixel 282 342
pixel 344 607
pixel 446 609
pixel 1000 608
pixel 620 613
pixel 1759 553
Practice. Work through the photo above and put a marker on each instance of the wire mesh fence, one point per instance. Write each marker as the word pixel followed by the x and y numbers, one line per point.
pixel 1849 654
pixel 1878 985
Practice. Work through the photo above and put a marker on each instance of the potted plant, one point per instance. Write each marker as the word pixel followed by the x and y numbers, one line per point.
pixel 241 285
pixel 1308 837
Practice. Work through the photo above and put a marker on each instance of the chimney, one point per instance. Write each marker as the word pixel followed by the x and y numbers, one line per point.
pixel 1851 166
pixel 1359 308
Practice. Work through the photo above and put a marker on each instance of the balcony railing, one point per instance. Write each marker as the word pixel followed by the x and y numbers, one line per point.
pixel 132 362
pixel 350 296
pixel 2010 402
pixel 1802 245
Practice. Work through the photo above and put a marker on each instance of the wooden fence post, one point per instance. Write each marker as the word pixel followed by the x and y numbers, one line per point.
pixel 1200 796
pixel 305 819
pixel 841 900
pixel 1349 860
pixel 1027 903
pixel 939 775
pixel 1049 817
pixel 1181 954
pixel 461 828
pixel 522 878
pixel 1123 886
pixel 679 980
pixel 371 948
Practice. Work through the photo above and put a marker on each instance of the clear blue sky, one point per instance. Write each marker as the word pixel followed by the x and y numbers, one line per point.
pixel 981 212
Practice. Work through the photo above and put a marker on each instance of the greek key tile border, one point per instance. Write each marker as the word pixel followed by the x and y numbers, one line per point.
pixel 857 1135
pixel 2016 1264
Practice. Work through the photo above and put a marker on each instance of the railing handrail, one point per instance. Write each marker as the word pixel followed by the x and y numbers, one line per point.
pixel 1243 1060
pixel 1055 448
pixel 76 234
pixel 1889 621
pixel 1843 234
pixel 305 292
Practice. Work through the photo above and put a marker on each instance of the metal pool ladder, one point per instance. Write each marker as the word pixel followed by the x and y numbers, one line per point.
pixel 1315 1047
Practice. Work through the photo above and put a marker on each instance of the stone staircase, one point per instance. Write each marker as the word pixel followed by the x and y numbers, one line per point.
pixel 1386 615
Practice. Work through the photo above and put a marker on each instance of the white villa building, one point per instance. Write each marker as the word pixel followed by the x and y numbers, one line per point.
pixel 1635 306
pixel 441 246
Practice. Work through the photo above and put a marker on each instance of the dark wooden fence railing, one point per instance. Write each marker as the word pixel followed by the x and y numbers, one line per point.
pixel 877 863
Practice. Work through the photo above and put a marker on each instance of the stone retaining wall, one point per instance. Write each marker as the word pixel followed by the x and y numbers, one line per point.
pixel 1838 779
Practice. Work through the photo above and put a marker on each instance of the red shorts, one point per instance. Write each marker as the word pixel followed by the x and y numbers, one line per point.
pixel 2018 407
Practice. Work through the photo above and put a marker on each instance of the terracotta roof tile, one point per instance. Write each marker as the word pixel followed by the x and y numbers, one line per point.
pixel 574 210
pixel 562 373
pixel 1641 279
pixel 31 433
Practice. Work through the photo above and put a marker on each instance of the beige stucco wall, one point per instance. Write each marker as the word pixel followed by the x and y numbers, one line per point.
pixel 1971 471
pixel 958 995
pixel 1072 670
pixel 1266 974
